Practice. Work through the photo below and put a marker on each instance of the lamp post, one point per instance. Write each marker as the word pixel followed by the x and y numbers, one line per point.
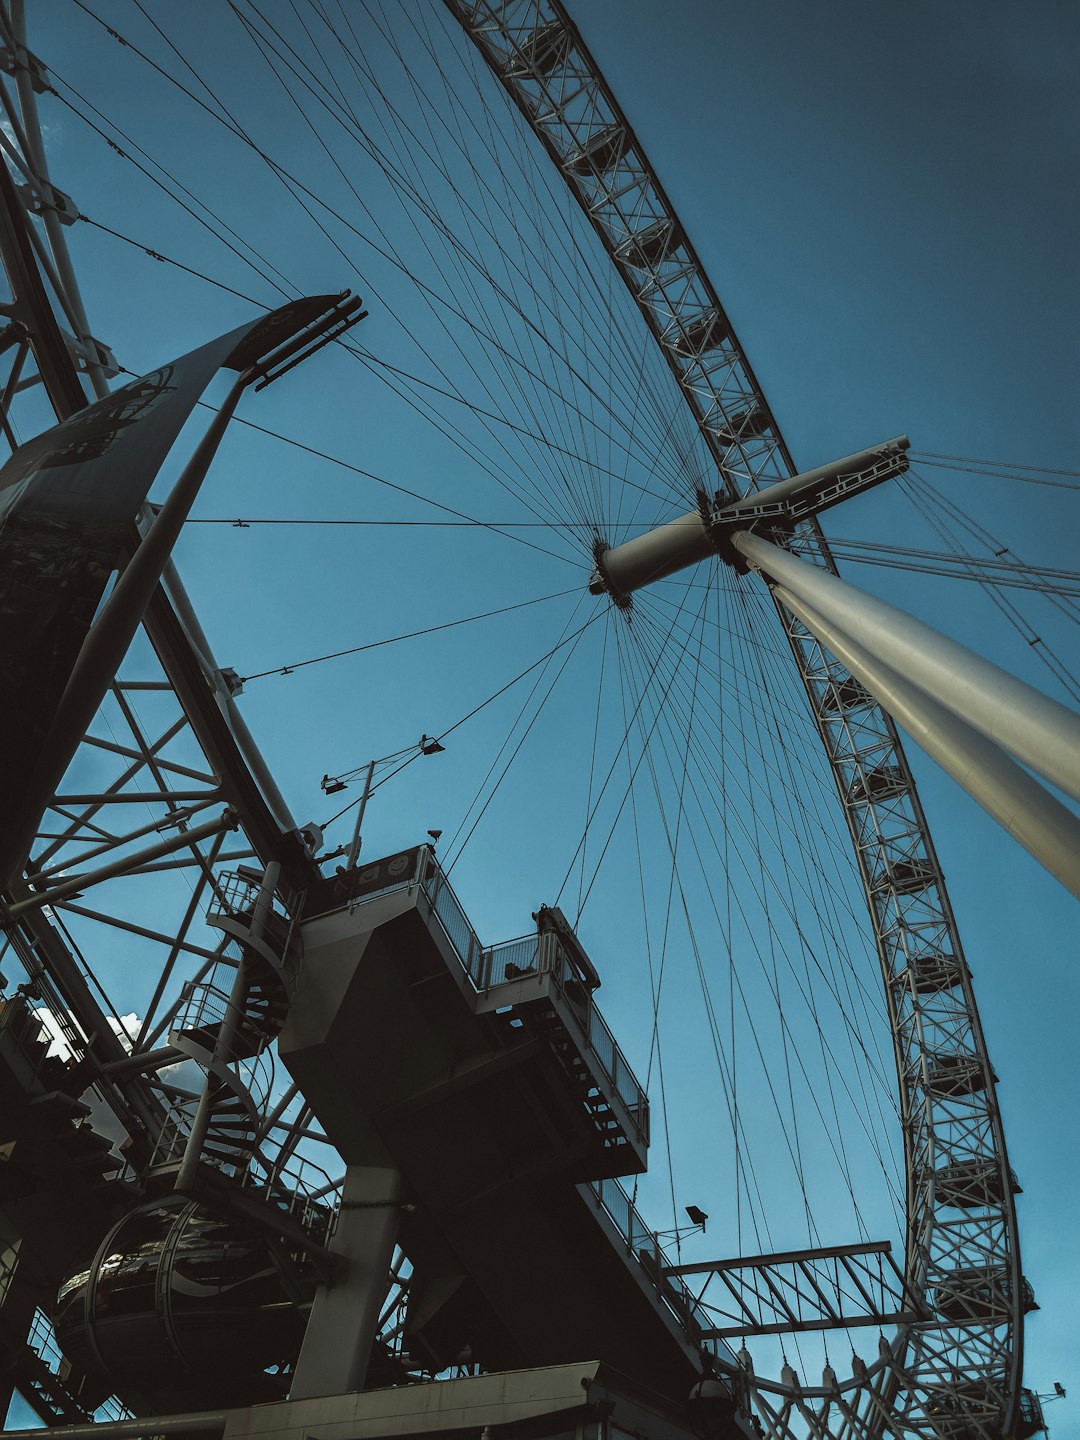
pixel 426 745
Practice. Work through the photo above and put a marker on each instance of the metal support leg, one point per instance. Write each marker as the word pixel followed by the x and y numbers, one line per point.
pixel 341 1329
pixel 1045 828
pixel 110 636
pixel 224 1044
pixel 1037 730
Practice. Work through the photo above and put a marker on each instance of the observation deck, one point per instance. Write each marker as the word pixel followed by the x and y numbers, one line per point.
pixel 487 1078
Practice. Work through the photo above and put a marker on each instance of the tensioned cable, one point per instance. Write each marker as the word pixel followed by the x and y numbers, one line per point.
pixel 393 174
pixel 994 465
pixel 1046 655
pixel 557 417
pixel 388 484
pixel 566 640
pixel 410 635
pixel 507 739
pixel 814 851
pixel 983 536
pixel 516 750
pixel 147 248
pixel 778 1000
pixel 373 362
pixel 580 262
pixel 465 252
pixel 592 764
pixel 758 1214
pixel 262 47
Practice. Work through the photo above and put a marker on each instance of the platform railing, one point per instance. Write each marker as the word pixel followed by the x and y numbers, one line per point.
pixel 540 954
pixel 643 1244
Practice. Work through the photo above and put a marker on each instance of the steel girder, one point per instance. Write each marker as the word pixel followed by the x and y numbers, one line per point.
pixel 962 1367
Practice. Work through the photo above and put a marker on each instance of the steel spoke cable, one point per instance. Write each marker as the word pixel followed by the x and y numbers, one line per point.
pixel 654 1047
pixel 425 500
pixel 509 212
pixel 973 572
pixel 294 186
pixel 391 172
pixel 508 738
pixel 542 256
pixel 870 999
pixel 765 1227
pixel 811 855
pixel 800 732
pixel 581 261
pixel 409 635
pixel 773 979
pixel 654 971
pixel 464 274
pixel 517 748
pixel 592 763
pixel 282 290
pixel 603 789
pixel 989 564
pixel 790 793
pixel 441 320
pixel 994 466
pixel 837 940
pixel 984 536
pixel 1045 654
pixel 157 255
pixel 348 349
pixel 496 695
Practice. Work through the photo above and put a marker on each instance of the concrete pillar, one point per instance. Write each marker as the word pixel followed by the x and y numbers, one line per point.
pixel 343 1321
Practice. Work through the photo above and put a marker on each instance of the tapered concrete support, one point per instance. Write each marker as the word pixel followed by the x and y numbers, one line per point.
pixel 345 1316
pixel 1039 822
pixel 1037 730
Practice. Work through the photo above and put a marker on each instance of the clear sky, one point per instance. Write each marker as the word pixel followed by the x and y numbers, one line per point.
pixel 884 196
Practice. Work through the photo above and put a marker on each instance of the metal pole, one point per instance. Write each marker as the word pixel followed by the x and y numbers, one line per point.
pixel 187 1174
pixel 108 639
pixel 223 1044
pixel 354 848
pixel 1041 824
pixel 1039 731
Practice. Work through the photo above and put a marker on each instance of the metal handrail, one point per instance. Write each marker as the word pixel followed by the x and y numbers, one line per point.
pixel 542 954
pixel 642 1243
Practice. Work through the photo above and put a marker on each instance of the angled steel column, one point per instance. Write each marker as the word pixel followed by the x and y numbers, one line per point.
pixel 1041 824
pixel 1037 730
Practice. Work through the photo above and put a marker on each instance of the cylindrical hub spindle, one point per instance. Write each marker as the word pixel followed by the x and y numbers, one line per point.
pixel 626 568
pixel 622 569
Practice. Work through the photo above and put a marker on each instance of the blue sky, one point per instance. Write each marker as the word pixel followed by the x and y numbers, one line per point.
pixel 882 196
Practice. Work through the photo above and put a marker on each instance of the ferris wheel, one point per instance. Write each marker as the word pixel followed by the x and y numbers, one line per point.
pixel 951 1365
